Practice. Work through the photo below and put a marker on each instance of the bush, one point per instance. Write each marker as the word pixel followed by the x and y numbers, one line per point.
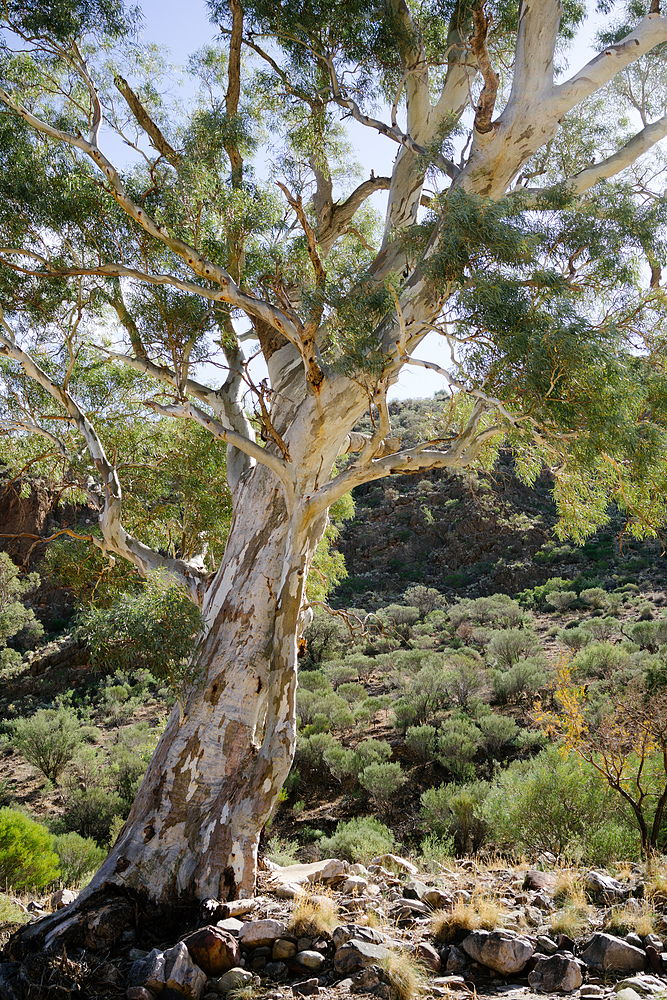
pixel 48 740
pixel 497 731
pixel 575 638
pixel 310 751
pixel 427 599
pixel 457 811
pixel 464 678
pixel 595 597
pixel 91 812
pixel 507 646
pixel 27 859
pixel 498 611
pixel 359 839
pixel 429 693
pixel 458 742
pixel 341 762
pixel 561 600
pixel 523 679
pixel 78 858
pixel 599 659
pixel 382 781
pixel 603 628
pixel 421 740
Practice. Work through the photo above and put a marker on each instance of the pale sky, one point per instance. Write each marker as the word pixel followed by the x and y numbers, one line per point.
pixel 183 28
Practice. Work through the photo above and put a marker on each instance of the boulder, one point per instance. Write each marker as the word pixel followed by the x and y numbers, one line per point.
pixel 181 974
pixel 231 924
pixel 436 899
pixel 61 898
pixel 394 861
pixel 456 960
pixel 605 951
pixel 213 949
pixel 282 949
pixel 234 979
pixel 356 955
pixel 548 946
pixel 605 889
pixel 310 959
pixel 644 985
pixel 557 974
pixel 148 971
pixel 345 932
pixel 428 956
pixel 354 884
pixel 257 933
pixel 309 988
pixel 539 881
pixel 499 950
pixel 415 890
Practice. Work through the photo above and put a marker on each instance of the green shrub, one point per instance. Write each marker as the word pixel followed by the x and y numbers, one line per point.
pixel 339 673
pixel 310 751
pixel 649 635
pixel 599 659
pixel 435 851
pixel 457 811
pixel 458 742
pixel 341 762
pixel 27 860
pixel 421 740
pixel 523 679
pixel 575 638
pixel 498 611
pixel 91 811
pixel 351 692
pixel 426 599
pixel 561 600
pixel 536 597
pixel 371 752
pixel 48 739
pixel 509 645
pixel 595 597
pixel 382 781
pixel 428 694
pixel 464 678
pixel 78 858
pixel 358 840
pixel 497 731
pixel 314 680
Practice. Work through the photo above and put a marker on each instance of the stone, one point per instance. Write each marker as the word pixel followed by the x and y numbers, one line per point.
pixel 390 861
pixel 412 906
pixel 436 899
pixel 345 932
pixel 354 884
pixel 372 979
pixel 358 869
pixel 644 985
pixel 461 896
pixel 539 881
pixel 316 871
pixel 456 960
pixel 565 943
pixel 282 948
pixel 310 959
pixel 230 924
pixel 634 939
pixel 605 951
pixel 655 959
pixel 288 891
pixel 258 963
pixel 604 888
pixel 329 870
pixel 309 988
pixel 304 943
pixel 255 933
pixel 627 994
pixel 429 956
pixel 590 990
pixel 415 890
pixel 277 971
pixel 213 950
pixel 134 993
pixel 234 979
pixel 355 955
pixel 654 941
pixel 181 974
pixel 557 974
pixel 499 950
pixel 148 971
pixel 547 945
pixel 61 898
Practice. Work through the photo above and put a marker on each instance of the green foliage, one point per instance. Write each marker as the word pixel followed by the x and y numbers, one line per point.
pixel 507 646
pixel 458 742
pixel 78 858
pixel 456 811
pixel 522 680
pixel 48 740
pixel 155 629
pixel 359 839
pixel 497 611
pixel 27 860
pixel 382 781
pixel 17 622
pixel 422 741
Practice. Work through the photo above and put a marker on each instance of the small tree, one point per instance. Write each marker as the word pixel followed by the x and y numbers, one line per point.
pixel 48 740
pixel 15 617
pixel 628 747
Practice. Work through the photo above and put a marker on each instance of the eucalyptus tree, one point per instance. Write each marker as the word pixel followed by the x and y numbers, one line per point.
pixel 521 227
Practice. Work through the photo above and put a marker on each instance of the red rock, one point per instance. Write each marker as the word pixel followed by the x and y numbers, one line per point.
pixel 540 881
pixel 427 954
pixel 213 950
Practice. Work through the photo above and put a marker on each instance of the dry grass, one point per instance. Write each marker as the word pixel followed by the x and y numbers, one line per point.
pixel 481 913
pixel 656 888
pixel 631 917
pixel 573 914
pixel 569 889
pixel 406 976
pixel 314 916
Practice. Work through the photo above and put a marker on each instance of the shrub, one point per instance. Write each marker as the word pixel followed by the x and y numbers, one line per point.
pixel 282 851
pixel 78 857
pixel 340 673
pixel 359 839
pixel 595 597
pixel 509 645
pixel 313 916
pixel 599 659
pixel 48 740
pixel 407 978
pixel 561 600
pixel 352 692
pixel 575 638
pixel 426 599
pixel 17 622
pixel 436 850
pixel 382 781
pixel 523 679
pixel 458 742
pixel 429 693
pixel 421 740
pixel 310 751
pixel 341 762
pixel 91 811
pixel 482 912
pixel 649 635
pixel 27 859
pixel 457 811
pixel 464 678
pixel 497 731
pixel 371 752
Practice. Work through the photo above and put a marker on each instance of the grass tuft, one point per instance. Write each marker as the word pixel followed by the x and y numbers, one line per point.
pixel 629 917
pixel 314 916
pixel 406 975
pixel 481 913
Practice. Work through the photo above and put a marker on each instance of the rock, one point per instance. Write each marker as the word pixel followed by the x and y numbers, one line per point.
pixel 533 916
pixel 358 869
pixel 135 993
pixel 654 941
pixel 394 861
pixel 627 994
pixel 429 956
pixel 309 988
pixel 148 971
pixel 277 971
pixel 345 932
pixel 355 955
pixel 310 959
pixel 605 951
pixel 558 974
pixel 589 990
pixel 604 888
pixel 232 980
pixel 181 974
pixel 655 959
pixel 634 939
pixel 211 910
pixel 436 899
pixel 461 896
pixel 539 881
pixel 256 933
pixel 543 901
pixel 354 884
pixel 231 924
pixel 411 906
pixel 547 945
pixel 316 871
pixel 61 898
pixel 415 890
pixel 282 948
pixel 498 950
pixel 374 980
pixel 644 985
pixel 213 949
pixel 565 943
pixel 288 891
pixel 456 960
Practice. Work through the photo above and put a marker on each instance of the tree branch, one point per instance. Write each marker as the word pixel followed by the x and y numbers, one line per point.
pixel 537 33
pixel 146 122
pixel 487 99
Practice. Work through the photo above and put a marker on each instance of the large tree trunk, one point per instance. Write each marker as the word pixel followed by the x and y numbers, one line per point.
pixel 214 778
